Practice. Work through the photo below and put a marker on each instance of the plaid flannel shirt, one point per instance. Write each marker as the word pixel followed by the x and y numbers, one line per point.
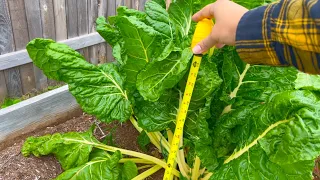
pixel 283 33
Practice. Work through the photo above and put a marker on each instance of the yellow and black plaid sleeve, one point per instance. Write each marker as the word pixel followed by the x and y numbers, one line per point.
pixel 284 33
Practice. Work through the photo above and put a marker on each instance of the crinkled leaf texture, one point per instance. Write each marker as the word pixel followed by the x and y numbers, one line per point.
pixel 106 30
pixel 266 130
pixel 157 116
pixel 98 89
pixel 65 147
pixel 279 139
pixel 101 166
pixel 159 76
pixel 148 38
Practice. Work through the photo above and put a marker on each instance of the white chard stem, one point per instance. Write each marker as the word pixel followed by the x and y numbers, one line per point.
pixel 196 169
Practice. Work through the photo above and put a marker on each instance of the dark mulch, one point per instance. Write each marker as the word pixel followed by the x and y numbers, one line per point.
pixel 13 166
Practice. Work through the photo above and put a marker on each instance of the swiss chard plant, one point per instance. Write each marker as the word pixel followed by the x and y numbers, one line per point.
pixel 244 121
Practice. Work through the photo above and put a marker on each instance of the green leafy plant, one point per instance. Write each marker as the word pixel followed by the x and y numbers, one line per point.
pixel 9 102
pixel 244 122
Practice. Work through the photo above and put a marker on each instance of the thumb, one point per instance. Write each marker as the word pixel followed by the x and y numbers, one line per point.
pixel 207 43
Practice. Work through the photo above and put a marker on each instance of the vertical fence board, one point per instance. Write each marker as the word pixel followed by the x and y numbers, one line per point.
pixel 102 11
pixel 32 8
pixel 83 23
pixel 60 22
pixel 6 38
pixel 119 3
pixel 127 3
pixel 21 38
pixel 135 4
pixel 111 12
pixel 6 43
pixel 141 4
pixel 13 81
pixel 47 18
pixel 3 87
pixel 33 14
pixel 48 25
pixel 60 19
pixel 72 18
pixel 92 16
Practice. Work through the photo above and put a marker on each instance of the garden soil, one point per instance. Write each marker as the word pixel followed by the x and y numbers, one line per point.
pixel 13 166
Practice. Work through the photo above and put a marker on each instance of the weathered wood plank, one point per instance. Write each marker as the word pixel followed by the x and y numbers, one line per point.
pixel 37 112
pixel 60 19
pixel 72 18
pixel 83 23
pixel 111 12
pixel 102 11
pixel 21 38
pixel 82 17
pixel 33 14
pixel 6 38
pixel 141 4
pixel 119 3
pixel 27 78
pixel 48 25
pixel 3 87
pixel 127 3
pixel 93 15
pixel 13 81
pixel 47 18
pixel 135 4
pixel 6 42
pixel 19 23
pixel 21 57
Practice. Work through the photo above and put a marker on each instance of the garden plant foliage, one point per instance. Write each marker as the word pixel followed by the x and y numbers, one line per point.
pixel 244 121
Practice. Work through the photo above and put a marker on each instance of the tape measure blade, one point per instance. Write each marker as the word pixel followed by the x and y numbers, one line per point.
pixel 182 114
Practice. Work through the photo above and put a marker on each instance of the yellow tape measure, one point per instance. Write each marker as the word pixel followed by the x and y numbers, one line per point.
pixel 203 29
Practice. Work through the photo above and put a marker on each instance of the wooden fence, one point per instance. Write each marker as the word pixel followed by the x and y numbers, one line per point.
pixel 69 21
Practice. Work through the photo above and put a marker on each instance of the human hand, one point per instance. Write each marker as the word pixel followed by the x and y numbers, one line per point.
pixel 227 16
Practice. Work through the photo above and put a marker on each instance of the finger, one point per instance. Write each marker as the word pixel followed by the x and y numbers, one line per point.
pixel 207 43
pixel 206 12
pixel 219 46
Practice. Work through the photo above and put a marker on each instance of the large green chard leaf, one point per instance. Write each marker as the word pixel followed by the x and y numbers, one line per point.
pixel 276 140
pixel 158 18
pixel 181 12
pixel 109 33
pixel 199 133
pixel 124 11
pixel 142 44
pixel 129 170
pixel 157 116
pixel 69 152
pixel 98 89
pixel 162 3
pixel 101 166
pixel 159 76
pixel 208 80
pixel 245 84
